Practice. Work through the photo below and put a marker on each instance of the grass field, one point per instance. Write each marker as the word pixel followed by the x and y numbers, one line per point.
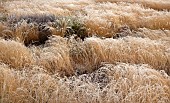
pixel 84 51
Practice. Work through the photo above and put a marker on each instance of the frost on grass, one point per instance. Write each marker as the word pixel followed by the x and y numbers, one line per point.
pixel 120 82
pixel 88 51
pixel 102 18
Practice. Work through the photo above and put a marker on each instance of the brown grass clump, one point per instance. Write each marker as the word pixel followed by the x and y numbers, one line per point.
pixel 121 83
pixel 26 33
pixel 28 86
pixel 15 54
pixel 93 51
pixel 68 26
pixel 5 31
pixel 31 33
pixel 36 29
pixel 54 57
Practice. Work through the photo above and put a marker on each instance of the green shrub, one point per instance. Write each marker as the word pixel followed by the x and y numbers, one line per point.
pixel 69 26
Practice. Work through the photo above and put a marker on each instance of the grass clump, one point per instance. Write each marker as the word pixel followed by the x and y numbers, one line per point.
pixel 118 82
pixel 15 54
pixel 87 56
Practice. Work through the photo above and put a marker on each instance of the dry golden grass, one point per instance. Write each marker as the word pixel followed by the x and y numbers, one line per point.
pixel 133 15
pixel 28 86
pixel 15 54
pixel 63 57
pixel 67 56
pixel 62 8
pixel 158 4
pixel 101 18
pixel 25 32
pixel 55 58
pixel 121 83
pixel 60 51
pixel 93 51
pixel 1 8
pixel 163 35
pixel 160 35
pixel 104 19
pixel 5 32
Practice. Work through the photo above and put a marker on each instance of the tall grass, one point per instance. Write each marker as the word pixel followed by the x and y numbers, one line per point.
pixel 66 56
pixel 98 14
pixel 104 19
pixel 158 5
pixel 93 51
pixel 5 31
pixel 55 58
pixel 159 34
pixel 163 35
pixel 15 54
pixel 89 51
pixel 121 83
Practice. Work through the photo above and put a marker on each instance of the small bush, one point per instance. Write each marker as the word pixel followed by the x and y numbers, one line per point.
pixel 68 26
pixel 76 27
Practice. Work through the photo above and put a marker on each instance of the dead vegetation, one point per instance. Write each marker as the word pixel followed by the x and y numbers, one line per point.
pixel 110 83
pixel 158 5
pixel 15 54
pixel 93 51
pixel 89 51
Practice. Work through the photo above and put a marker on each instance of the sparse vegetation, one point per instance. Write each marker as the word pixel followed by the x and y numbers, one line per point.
pixel 85 51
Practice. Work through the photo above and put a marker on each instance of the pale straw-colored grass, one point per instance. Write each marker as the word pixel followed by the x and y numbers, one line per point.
pixel 134 67
pixel 123 83
pixel 15 54
pixel 163 35
pixel 57 7
pixel 67 56
pixel 154 4
pixel 55 58
pixel 102 19
pixel 93 51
